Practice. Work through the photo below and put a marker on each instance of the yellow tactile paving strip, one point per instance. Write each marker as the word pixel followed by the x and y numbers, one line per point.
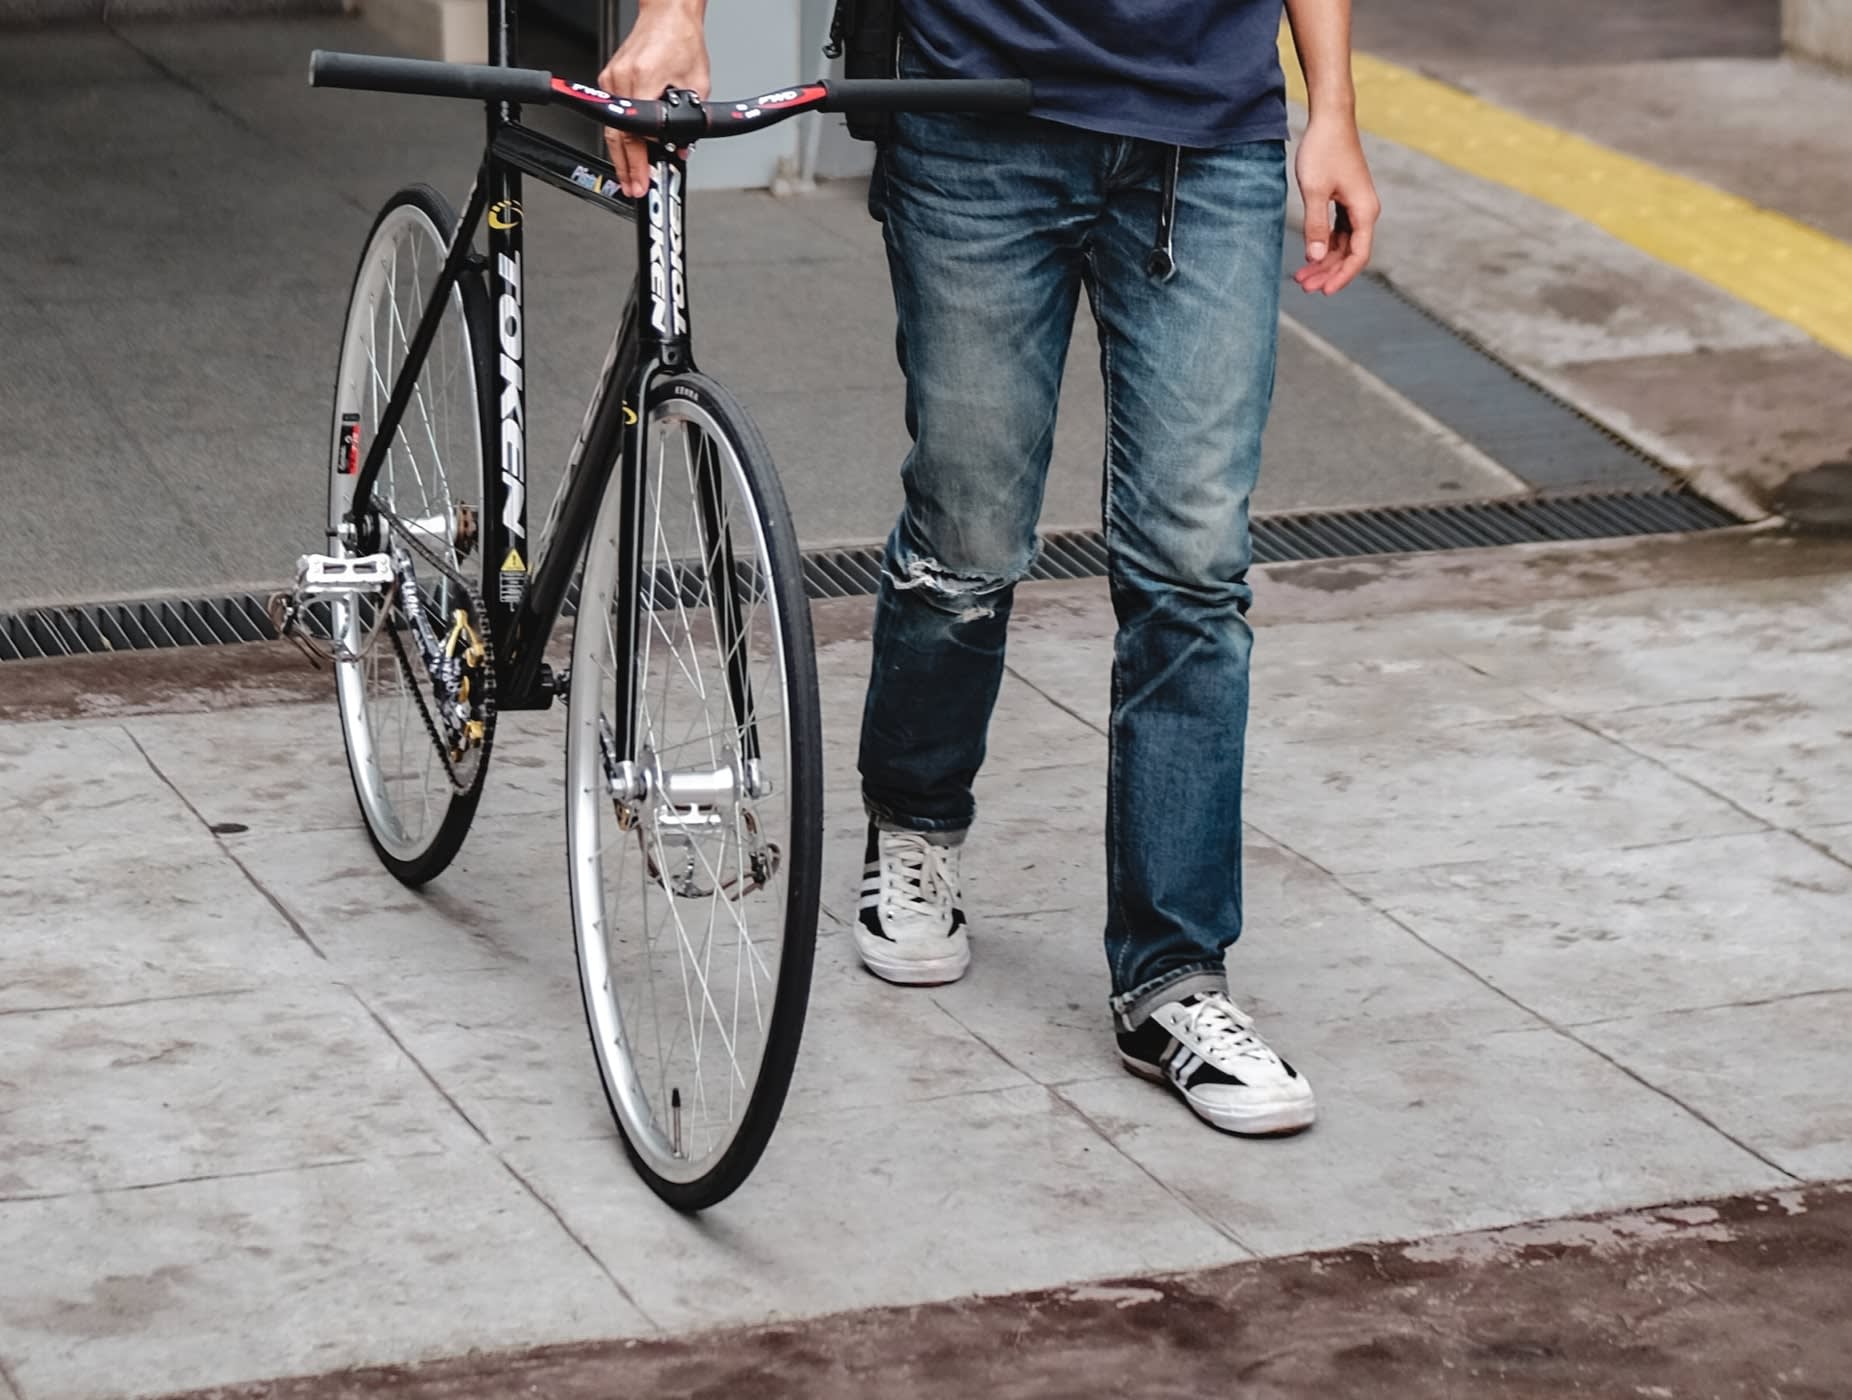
pixel 1785 267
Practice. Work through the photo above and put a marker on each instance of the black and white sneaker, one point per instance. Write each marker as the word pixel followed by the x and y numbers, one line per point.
pixel 911 929
pixel 1204 1047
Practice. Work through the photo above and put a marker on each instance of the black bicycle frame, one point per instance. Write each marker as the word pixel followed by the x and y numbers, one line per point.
pixel 652 337
pixel 523 601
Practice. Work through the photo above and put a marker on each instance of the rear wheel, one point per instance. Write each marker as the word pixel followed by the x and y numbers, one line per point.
pixel 412 670
pixel 694 814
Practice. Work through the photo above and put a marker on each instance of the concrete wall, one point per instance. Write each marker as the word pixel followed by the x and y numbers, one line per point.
pixel 1819 29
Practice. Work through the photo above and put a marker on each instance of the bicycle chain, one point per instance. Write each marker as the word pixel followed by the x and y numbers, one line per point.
pixel 485 673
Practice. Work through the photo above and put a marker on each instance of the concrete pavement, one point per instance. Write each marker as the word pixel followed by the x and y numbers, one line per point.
pixel 1549 869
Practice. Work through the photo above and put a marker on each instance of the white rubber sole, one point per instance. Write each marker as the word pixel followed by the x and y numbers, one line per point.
pixel 878 957
pixel 1268 1116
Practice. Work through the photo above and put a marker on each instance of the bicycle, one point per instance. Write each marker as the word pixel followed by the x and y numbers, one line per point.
pixel 694 751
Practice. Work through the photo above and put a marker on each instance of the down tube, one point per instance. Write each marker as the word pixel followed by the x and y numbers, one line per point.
pixel 599 456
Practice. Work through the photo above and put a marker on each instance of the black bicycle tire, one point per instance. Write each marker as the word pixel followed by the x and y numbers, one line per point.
pixel 804 862
pixel 479 327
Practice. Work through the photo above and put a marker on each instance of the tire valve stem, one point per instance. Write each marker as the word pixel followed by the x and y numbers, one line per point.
pixel 675 1121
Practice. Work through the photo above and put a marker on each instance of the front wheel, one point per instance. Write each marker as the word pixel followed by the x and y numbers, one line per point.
pixel 694 795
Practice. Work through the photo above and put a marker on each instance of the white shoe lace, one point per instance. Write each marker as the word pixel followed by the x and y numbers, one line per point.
pixel 1224 1031
pixel 919 881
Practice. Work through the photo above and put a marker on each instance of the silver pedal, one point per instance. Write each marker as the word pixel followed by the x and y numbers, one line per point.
pixel 359 576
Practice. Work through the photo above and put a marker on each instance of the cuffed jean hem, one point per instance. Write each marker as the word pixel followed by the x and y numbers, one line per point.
pixel 1131 1009
pixel 944 830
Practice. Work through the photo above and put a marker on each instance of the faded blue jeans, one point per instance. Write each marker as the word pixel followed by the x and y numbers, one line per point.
pixel 994 227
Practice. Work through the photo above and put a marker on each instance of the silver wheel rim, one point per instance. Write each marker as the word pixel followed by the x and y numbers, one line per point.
pixel 679 989
pixel 404 790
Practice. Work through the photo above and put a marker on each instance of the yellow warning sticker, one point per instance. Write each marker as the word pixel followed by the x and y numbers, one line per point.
pixel 514 564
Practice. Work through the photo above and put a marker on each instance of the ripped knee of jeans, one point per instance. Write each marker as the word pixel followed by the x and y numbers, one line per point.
pixel 968 596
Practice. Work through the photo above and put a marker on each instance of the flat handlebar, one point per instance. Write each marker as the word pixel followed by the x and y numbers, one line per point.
pixel 675 117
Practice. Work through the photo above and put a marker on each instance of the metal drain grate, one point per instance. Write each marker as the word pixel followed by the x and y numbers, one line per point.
pixel 1066 554
pixel 1350 534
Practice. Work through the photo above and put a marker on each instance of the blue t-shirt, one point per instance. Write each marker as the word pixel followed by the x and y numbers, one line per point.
pixel 1185 72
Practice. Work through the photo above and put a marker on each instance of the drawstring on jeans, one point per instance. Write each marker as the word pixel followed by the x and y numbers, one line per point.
pixel 1162 264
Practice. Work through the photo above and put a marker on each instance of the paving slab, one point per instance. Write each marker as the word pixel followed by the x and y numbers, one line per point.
pixel 1421 1139
pixel 68 788
pixel 1602 655
pixel 1753 411
pixel 1581 937
pixel 501 904
pixel 292 774
pixel 865 1206
pixel 1794 1108
pixel 1774 756
pixel 1316 964
pixel 1482 792
pixel 508 1047
pixel 175 920
pixel 103 1098
pixel 136 1292
pixel 1835 840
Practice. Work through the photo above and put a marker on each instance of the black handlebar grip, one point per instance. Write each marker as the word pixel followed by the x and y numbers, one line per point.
pixel 928 95
pixel 485 82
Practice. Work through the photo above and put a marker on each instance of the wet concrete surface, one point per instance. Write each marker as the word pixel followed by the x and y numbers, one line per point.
pixel 1732 397
pixel 1819 500
pixel 1569 31
pixel 1746 1296
pixel 1752 417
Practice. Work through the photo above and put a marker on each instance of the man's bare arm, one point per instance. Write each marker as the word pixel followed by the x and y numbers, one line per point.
pixel 1330 163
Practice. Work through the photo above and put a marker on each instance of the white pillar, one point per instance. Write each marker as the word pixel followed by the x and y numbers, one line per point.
pixel 1819 29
